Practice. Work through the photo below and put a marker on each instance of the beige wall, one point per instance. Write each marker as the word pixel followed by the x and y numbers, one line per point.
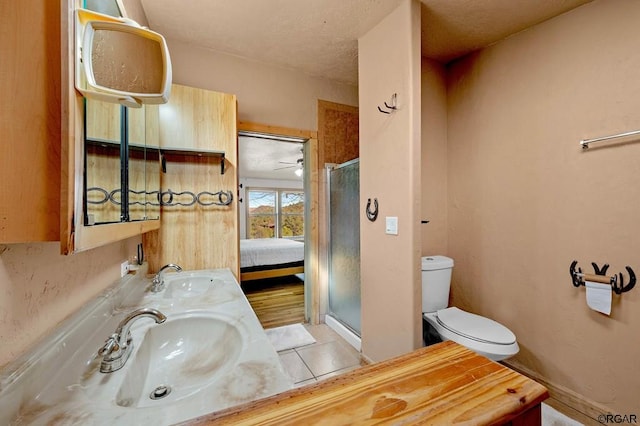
pixel 389 62
pixel 266 93
pixel 524 200
pixel 135 11
pixel 434 235
pixel 40 288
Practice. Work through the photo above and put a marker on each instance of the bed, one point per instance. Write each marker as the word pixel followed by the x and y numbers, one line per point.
pixel 270 257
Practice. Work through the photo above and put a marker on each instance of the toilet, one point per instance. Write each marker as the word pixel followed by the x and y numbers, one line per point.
pixel 482 335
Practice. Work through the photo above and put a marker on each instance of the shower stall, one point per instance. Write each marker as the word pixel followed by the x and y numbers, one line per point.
pixel 343 200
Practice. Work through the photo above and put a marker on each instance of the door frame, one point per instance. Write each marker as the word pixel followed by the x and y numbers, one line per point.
pixel 312 236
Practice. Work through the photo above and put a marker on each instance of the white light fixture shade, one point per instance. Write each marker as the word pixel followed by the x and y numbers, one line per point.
pixel 298 172
pixel 118 61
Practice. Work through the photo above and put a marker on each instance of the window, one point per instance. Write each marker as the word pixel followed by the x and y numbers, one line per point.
pixel 262 214
pixel 275 213
pixel 291 223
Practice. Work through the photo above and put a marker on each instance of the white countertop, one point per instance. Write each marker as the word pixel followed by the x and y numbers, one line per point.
pixel 75 392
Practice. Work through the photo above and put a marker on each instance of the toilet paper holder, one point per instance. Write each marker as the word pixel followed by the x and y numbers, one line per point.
pixel 616 281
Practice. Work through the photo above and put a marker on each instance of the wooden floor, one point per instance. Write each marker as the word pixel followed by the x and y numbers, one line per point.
pixel 276 301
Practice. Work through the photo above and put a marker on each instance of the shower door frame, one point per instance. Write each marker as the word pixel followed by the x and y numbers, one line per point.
pixel 328 169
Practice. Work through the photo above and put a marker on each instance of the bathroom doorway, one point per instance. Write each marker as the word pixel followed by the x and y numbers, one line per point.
pixel 303 160
pixel 343 199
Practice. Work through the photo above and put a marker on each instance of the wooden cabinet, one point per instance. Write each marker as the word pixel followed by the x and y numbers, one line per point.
pixel 30 121
pixel 197 119
pixel 73 233
pixel 41 126
pixel 193 124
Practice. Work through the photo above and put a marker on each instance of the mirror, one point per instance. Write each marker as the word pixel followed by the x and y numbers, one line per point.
pixel 144 163
pixel 104 124
pixel 102 162
pixel 113 8
pixel 97 128
pixel 152 163
pixel 116 151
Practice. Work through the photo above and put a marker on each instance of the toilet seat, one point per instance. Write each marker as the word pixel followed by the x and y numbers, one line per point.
pixel 475 327
pixel 482 335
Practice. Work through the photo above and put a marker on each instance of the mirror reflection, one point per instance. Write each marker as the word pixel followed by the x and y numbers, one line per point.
pixel 144 163
pixel 152 176
pixel 152 167
pixel 109 7
pixel 102 162
pixel 121 146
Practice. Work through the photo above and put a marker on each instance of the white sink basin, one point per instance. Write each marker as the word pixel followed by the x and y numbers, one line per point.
pixel 192 284
pixel 211 353
pixel 178 358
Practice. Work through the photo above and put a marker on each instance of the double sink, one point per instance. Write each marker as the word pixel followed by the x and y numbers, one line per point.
pixel 209 354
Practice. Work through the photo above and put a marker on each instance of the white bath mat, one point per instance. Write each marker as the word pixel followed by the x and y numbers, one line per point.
pixel 289 336
pixel 551 417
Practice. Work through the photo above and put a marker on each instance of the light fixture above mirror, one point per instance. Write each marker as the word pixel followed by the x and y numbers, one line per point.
pixel 118 61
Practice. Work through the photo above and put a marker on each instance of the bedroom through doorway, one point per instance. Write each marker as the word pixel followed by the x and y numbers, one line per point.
pixel 273 220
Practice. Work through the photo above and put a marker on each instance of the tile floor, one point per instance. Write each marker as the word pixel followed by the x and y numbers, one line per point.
pixel 331 355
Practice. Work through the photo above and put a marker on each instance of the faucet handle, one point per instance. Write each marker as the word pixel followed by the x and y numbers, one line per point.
pixel 110 345
pixel 156 284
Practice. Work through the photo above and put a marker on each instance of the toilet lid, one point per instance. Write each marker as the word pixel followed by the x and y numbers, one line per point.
pixel 475 327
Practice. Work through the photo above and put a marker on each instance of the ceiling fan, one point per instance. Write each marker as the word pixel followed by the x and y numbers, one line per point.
pixel 298 165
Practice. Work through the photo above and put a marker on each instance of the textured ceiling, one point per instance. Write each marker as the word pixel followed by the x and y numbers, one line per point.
pixel 268 159
pixel 319 37
pixel 453 28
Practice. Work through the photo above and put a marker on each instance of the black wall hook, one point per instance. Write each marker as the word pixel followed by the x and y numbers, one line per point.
pixel 390 108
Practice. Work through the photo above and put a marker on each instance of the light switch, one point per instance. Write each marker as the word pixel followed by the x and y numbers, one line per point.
pixel 391 225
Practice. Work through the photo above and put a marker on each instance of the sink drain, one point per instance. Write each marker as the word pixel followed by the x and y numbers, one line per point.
pixel 160 392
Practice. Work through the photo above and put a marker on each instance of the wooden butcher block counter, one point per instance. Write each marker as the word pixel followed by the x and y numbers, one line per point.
pixel 443 384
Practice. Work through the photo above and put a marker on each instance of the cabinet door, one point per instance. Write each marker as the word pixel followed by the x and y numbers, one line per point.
pixel 102 162
pixel 30 122
pixel 197 119
pixel 76 229
pixel 103 167
pixel 197 236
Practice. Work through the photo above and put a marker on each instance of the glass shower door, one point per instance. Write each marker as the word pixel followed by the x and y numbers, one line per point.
pixel 344 244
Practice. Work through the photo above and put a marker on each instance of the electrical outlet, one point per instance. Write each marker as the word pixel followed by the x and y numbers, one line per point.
pixel 124 268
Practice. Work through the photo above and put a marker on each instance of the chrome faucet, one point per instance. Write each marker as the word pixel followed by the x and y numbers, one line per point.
pixel 157 284
pixel 118 346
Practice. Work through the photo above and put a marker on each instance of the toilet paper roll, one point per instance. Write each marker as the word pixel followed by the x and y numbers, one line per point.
pixel 599 297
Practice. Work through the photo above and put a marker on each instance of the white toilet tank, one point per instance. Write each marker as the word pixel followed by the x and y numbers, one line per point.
pixel 436 282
